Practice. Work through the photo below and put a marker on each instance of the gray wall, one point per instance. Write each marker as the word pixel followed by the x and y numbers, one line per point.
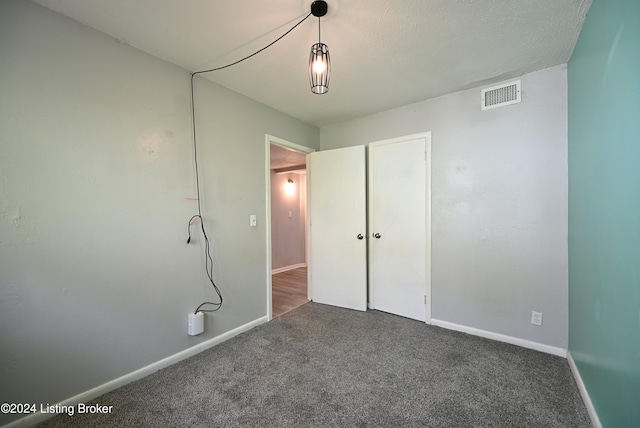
pixel 96 279
pixel 499 203
pixel 287 233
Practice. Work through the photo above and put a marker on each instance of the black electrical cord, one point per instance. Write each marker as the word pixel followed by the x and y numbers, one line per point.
pixel 208 266
pixel 255 53
pixel 207 252
pixel 207 247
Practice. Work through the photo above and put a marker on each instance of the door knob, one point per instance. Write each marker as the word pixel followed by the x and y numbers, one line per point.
pixel 360 236
pixel 377 236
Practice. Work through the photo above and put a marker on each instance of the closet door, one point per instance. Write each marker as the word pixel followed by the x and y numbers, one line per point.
pixel 399 266
pixel 337 228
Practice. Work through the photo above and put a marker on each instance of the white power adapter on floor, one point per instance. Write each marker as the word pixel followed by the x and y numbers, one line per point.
pixel 196 324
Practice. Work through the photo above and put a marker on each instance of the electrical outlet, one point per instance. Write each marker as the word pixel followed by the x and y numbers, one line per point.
pixel 536 318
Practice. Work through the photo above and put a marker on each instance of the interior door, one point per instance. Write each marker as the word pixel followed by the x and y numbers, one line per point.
pixel 398 225
pixel 337 229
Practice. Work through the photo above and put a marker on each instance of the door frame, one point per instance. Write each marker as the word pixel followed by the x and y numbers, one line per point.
pixel 270 139
pixel 428 160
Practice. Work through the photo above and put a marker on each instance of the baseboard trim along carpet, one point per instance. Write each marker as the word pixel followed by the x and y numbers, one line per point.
pixel 554 350
pixel 560 352
pixel 595 420
pixel 286 268
pixel 138 374
pixel 322 366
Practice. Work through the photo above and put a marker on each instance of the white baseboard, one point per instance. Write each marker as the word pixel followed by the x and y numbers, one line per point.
pixel 286 268
pixel 595 420
pixel 89 395
pixel 554 350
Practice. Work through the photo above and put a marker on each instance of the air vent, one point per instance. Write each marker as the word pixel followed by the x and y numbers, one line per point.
pixel 502 95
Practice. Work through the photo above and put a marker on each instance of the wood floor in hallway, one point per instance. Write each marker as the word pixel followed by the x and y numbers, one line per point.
pixel 288 290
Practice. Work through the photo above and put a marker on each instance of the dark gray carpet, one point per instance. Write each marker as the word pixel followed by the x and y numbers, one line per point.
pixel 329 367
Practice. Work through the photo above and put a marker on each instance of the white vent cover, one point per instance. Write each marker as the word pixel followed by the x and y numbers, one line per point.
pixel 502 95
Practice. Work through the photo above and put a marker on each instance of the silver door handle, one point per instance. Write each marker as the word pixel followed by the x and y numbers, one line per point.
pixel 377 236
pixel 360 236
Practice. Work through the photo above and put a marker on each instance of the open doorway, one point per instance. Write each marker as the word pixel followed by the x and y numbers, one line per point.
pixel 287 225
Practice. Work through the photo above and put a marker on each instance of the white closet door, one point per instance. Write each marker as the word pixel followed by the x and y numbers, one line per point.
pixel 398 253
pixel 337 214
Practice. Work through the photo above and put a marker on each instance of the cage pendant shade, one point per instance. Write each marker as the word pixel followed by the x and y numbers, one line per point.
pixel 319 68
pixel 319 63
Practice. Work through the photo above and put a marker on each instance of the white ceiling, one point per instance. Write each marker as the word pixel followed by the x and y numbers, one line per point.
pixel 384 53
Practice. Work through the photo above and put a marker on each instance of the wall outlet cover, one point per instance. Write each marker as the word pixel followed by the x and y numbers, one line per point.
pixel 536 318
pixel 195 324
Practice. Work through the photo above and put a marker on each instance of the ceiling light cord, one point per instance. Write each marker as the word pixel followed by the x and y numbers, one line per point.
pixel 195 146
pixel 256 52
pixel 207 247
pixel 208 266
pixel 192 220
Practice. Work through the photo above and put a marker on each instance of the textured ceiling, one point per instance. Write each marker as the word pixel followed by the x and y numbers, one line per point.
pixel 282 157
pixel 384 53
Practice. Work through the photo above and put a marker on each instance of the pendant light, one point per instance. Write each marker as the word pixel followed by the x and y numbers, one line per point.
pixel 319 63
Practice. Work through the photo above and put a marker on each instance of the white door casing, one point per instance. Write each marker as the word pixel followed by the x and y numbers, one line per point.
pixel 270 139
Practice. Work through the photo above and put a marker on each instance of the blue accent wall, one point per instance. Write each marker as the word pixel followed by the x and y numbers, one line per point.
pixel 604 209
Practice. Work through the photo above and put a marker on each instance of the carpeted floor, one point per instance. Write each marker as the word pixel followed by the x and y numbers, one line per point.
pixel 328 367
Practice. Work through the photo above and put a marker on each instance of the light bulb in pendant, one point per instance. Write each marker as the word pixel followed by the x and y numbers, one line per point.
pixel 319 67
